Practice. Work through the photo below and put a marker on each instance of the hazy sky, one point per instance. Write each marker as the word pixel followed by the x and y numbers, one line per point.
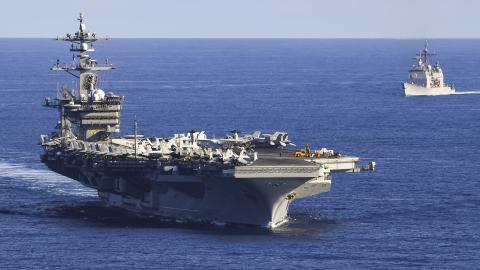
pixel 245 18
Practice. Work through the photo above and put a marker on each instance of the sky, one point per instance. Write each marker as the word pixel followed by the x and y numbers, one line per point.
pixel 245 18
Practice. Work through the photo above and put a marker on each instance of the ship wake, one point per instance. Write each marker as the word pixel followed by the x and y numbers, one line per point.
pixel 466 93
pixel 44 180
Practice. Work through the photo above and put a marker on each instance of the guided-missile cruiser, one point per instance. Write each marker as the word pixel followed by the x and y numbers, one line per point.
pixel 247 179
pixel 425 80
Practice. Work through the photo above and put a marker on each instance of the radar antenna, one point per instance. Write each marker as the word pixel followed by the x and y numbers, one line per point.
pixel 82 44
pixel 425 54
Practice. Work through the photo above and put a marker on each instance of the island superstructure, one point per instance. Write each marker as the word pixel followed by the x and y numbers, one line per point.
pixel 246 179
pixel 425 79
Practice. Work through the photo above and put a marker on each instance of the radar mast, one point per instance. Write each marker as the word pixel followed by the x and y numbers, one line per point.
pixel 87 67
pixel 425 54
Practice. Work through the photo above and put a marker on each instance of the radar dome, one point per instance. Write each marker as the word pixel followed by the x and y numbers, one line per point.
pixel 98 95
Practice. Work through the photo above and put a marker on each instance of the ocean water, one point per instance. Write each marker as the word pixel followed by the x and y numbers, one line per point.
pixel 419 210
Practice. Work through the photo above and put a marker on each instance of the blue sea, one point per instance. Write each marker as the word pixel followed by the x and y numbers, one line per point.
pixel 419 210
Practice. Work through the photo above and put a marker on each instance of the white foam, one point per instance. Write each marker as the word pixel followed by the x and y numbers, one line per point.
pixel 38 179
pixel 467 93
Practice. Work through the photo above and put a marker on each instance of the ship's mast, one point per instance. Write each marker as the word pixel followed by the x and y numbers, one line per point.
pixel 81 45
pixel 425 54
pixel 135 128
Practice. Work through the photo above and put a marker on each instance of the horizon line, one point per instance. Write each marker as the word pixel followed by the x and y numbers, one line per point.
pixel 279 37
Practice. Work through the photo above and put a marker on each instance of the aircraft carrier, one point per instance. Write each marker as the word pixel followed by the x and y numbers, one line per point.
pixel 248 179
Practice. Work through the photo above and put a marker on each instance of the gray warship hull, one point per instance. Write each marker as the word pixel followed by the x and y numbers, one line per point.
pixel 257 195
pixel 417 90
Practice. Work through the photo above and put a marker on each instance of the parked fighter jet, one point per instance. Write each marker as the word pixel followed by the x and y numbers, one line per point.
pixel 269 140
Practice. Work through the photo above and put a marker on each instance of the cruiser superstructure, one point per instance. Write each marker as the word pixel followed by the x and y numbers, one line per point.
pixel 425 79
pixel 240 179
